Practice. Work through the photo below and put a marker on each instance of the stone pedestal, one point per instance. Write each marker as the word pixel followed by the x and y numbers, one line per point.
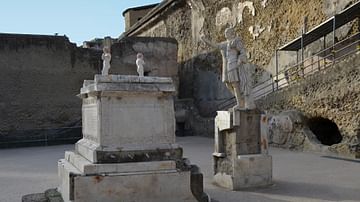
pixel 240 158
pixel 128 151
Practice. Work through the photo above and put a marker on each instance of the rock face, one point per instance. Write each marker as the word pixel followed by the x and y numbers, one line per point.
pixel 262 25
pixel 332 95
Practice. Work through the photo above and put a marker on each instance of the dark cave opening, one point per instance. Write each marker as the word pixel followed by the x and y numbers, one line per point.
pixel 325 130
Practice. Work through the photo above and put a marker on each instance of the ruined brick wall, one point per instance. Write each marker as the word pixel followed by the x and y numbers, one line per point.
pixel 41 76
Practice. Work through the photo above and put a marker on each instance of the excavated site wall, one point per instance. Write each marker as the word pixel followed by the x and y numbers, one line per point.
pixel 263 25
pixel 41 76
pixel 333 95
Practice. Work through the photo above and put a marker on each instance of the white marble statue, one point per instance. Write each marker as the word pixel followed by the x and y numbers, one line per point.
pixel 236 71
pixel 106 57
pixel 140 64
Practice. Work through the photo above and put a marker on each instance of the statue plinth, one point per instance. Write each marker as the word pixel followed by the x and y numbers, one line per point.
pixel 128 151
pixel 240 157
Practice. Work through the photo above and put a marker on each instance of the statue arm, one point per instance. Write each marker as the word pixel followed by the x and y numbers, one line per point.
pixel 208 42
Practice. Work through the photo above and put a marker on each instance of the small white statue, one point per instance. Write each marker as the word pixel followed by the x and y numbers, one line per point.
pixel 106 57
pixel 236 72
pixel 140 64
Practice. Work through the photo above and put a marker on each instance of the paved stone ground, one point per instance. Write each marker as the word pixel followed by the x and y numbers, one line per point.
pixel 297 176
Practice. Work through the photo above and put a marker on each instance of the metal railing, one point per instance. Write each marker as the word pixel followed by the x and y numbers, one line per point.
pixel 41 136
pixel 293 74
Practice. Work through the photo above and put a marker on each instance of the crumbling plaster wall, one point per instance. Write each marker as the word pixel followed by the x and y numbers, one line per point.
pixel 41 76
pixel 262 25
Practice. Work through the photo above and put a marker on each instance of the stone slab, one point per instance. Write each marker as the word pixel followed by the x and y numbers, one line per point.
pixel 131 79
pixel 264 128
pixel 88 168
pixel 127 84
pixel 66 173
pixel 248 135
pixel 248 171
pixel 163 185
pixel 223 120
pixel 139 153
pixel 118 121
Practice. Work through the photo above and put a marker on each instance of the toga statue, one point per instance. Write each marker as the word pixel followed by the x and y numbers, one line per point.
pixel 106 57
pixel 140 64
pixel 236 71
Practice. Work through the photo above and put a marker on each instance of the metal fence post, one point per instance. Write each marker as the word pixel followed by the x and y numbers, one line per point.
pixel 277 69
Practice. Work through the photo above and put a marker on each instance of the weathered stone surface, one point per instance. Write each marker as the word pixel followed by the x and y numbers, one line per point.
pixel 224 120
pixel 128 151
pixel 240 158
pixel 66 173
pixel 248 171
pixel 142 187
pixel 333 94
pixel 131 184
pixel 247 131
pixel 264 134
pixel 35 115
pixel 160 55
pixel 117 123
pixel 187 20
pixel 136 153
pixel 86 167
pixel 47 62
pixel 34 198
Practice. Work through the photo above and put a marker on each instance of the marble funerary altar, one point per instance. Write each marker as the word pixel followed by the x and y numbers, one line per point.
pixel 128 151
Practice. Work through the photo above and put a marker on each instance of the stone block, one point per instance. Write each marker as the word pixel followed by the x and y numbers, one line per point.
pixel 248 171
pixel 127 186
pixel 136 153
pixel 257 164
pixel 123 113
pixel 223 120
pixel 40 197
pixel 66 174
pixel 264 134
pixel 247 128
pixel 120 121
pixel 88 168
pixel 128 152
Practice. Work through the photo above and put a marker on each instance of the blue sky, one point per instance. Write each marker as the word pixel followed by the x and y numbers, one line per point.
pixel 80 20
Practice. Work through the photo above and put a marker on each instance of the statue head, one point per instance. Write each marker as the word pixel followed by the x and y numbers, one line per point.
pixel 106 49
pixel 229 33
pixel 139 56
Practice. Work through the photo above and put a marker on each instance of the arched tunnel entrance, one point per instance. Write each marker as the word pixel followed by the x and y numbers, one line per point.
pixel 325 130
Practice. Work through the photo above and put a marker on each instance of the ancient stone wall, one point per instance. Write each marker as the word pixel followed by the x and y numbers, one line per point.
pixel 132 15
pixel 41 76
pixel 263 25
pixel 160 56
pixel 333 95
